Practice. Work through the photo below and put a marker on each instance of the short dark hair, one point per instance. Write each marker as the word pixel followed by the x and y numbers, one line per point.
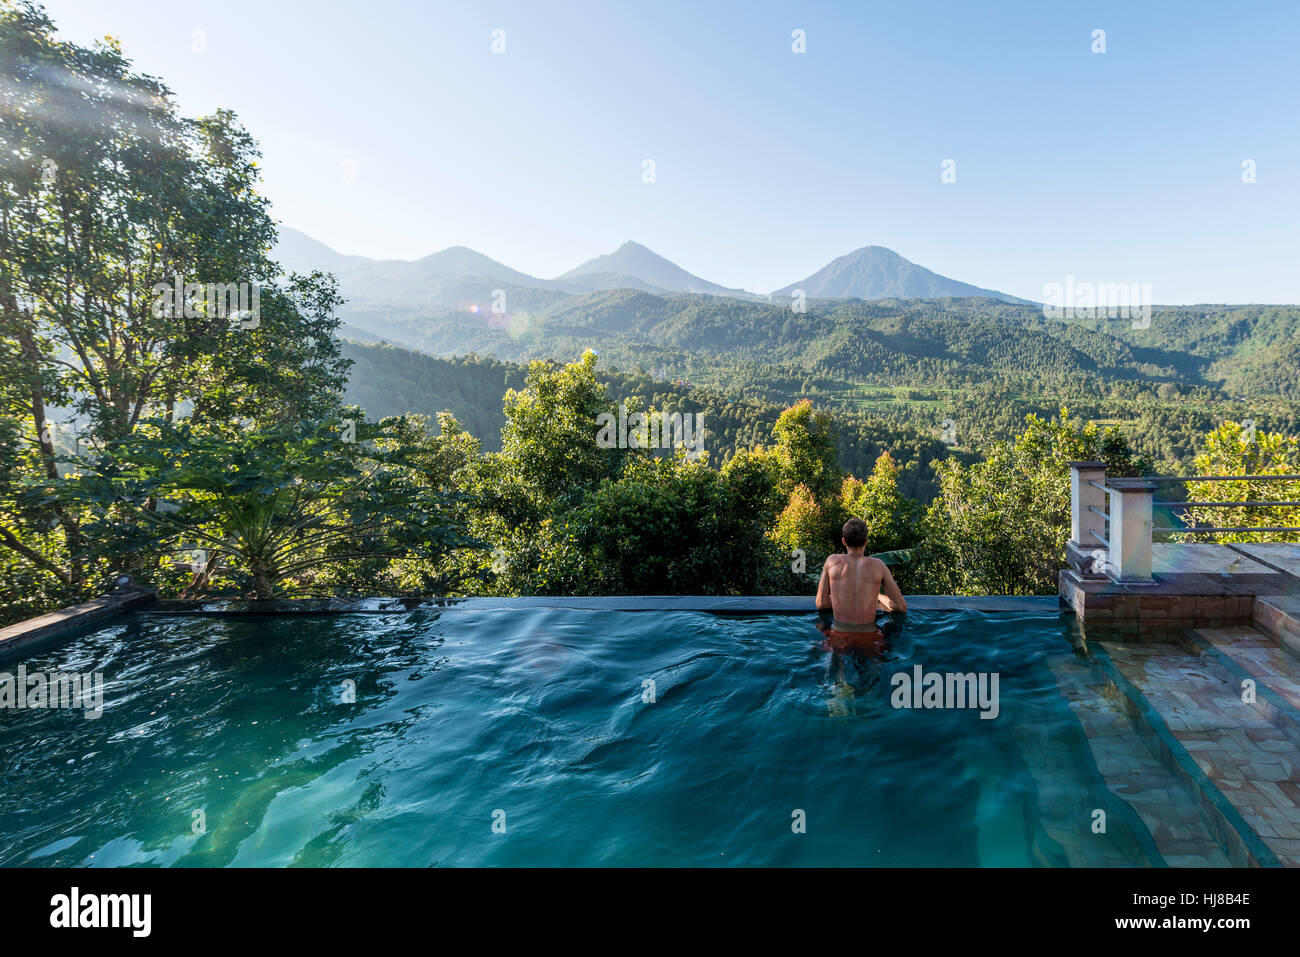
pixel 854 533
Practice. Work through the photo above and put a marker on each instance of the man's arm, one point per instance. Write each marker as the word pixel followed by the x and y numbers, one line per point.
pixel 891 597
pixel 824 589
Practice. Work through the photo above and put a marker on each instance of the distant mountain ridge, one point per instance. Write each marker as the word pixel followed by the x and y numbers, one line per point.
pixel 636 262
pixel 298 251
pixel 457 276
pixel 874 272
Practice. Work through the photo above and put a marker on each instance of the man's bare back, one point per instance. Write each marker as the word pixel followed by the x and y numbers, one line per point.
pixel 852 585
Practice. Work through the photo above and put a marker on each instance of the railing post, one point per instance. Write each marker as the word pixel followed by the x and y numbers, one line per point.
pixel 1084 522
pixel 1130 529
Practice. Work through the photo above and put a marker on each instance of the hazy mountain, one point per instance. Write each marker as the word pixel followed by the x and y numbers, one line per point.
pixel 633 266
pixel 462 262
pixel 300 252
pixel 459 278
pixel 874 272
pixel 455 278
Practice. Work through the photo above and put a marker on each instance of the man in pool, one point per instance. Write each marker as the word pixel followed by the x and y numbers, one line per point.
pixel 852 587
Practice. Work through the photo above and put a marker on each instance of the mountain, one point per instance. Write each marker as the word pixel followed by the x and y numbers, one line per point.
pixel 874 272
pixel 463 262
pixel 458 272
pixel 633 266
pixel 460 278
pixel 455 278
pixel 296 250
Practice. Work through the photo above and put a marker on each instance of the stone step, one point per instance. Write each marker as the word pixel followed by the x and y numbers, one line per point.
pixel 1278 616
pixel 1135 772
pixel 1265 660
pixel 1247 748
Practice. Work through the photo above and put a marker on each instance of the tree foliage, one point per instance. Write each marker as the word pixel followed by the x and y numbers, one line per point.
pixel 1237 449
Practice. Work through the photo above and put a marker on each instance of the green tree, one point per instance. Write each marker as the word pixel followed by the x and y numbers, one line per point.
pixel 107 196
pixel 666 526
pixel 893 519
pixel 549 455
pixel 272 508
pixel 999 526
pixel 1235 449
pixel 802 526
pixel 806 449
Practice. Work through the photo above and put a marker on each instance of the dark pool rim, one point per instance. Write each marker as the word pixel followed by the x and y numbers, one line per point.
pixel 714 604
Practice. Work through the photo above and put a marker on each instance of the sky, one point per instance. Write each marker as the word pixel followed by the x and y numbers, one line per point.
pixel 392 129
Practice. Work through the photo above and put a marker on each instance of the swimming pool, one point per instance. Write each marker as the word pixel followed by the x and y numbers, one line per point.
pixel 478 736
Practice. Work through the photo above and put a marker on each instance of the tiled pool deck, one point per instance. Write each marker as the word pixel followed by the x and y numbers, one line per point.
pixel 1249 750
pixel 1212 649
pixel 1133 770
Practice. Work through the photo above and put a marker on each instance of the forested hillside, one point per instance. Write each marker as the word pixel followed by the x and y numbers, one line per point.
pixel 938 342
pixel 965 372
pixel 387 380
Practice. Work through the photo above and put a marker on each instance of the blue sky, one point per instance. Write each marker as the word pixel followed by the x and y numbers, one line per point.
pixel 1117 167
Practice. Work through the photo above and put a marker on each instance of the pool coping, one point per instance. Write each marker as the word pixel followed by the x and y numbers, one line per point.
pixel 64 621
pixel 717 604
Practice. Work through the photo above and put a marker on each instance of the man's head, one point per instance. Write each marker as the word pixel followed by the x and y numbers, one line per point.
pixel 854 534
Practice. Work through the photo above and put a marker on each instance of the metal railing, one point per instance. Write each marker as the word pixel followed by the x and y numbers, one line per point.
pixel 1225 529
pixel 1126 529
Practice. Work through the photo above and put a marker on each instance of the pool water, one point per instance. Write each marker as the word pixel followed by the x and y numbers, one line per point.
pixel 558 737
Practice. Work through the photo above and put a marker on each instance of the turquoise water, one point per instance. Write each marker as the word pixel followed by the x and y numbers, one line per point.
pixel 537 721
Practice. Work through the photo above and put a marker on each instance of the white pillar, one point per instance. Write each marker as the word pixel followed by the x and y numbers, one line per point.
pixel 1084 522
pixel 1130 529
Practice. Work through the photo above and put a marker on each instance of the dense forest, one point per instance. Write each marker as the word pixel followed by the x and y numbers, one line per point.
pixel 208 451
pixel 1164 421
pixel 386 380
pixel 973 368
